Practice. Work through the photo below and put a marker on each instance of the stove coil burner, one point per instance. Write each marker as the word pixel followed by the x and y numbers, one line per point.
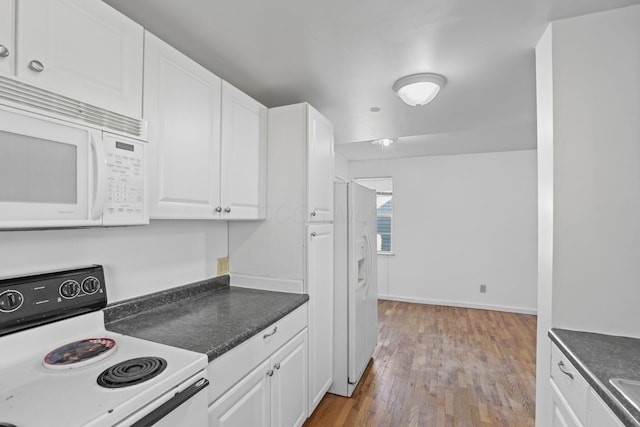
pixel 131 372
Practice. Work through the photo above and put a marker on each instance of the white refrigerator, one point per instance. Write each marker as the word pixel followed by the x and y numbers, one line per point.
pixel 355 284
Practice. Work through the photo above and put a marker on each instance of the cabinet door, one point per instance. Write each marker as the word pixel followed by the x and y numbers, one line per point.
pixel 244 156
pixel 558 418
pixel 320 161
pixel 182 107
pixel 320 290
pixel 83 49
pixel 7 36
pixel 246 404
pixel 289 385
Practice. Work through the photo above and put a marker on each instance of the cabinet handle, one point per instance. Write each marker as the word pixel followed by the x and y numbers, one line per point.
pixel 4 52
pixel 227 210
pixel 313 213
pixel 218 209
pixel 563 370
pixel 36 66
pixel 314 234
pixel 270 373
pixel 277 365
pixel 275 329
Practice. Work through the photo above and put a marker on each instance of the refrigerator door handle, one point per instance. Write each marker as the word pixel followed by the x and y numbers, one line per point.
pixel 367 260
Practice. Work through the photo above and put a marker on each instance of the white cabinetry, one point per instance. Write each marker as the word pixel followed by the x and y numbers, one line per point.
pixel 207 141
pixel 182 106
pixel 599 414
pixel 83 49
pixel 320 289
pixel 280 253
pixel 7 36
pixel 320 171
pixel 263 382
pixel 247 404
pixel 575 403
pixel 244 156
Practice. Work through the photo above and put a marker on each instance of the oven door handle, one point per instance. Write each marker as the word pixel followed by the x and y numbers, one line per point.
pixel 170 405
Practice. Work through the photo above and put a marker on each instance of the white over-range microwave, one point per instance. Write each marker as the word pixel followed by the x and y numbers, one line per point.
pixel 68 173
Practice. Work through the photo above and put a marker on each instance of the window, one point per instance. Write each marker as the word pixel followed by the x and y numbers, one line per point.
pixel 384 205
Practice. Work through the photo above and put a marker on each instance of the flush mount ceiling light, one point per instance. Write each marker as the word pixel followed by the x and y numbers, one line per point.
pixel 419 89
pixel 383 142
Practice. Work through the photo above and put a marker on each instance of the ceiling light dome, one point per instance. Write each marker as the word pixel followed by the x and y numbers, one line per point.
pixel 384 142
pixel 419 89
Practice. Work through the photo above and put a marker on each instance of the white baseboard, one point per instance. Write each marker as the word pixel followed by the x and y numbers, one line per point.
pixel 267 283
pixel 509 309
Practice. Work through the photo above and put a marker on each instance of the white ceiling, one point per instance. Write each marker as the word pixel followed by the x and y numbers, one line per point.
pixel 343 56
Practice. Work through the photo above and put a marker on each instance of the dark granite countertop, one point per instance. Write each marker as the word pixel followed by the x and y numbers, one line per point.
pixel 599 358
pixel 208 317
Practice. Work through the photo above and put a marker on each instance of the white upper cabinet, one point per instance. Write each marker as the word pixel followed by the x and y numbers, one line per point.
pixel 83 49
pixel 320 167
pixel 7 36
pixel 182 107
pixel 244 145
pixel 207 141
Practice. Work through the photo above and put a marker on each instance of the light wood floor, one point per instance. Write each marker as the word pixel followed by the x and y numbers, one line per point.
pixel 442 366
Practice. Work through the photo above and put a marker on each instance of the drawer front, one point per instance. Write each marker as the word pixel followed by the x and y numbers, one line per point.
pixel 599 413
pixel 563 415
pixel 232 366
pixel 570 384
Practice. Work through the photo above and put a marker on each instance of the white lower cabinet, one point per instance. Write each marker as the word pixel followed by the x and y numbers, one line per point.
pixel 575 403
pixel 320 290
pixel 246 404
pixel 264 381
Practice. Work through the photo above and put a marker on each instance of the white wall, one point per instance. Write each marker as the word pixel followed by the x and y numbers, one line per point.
pixel 137 260
pixel 596 115
pixel 341 167
pixel 461 221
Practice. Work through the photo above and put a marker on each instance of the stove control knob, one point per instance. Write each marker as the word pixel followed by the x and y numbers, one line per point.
pixel 90 285
pixel 10 301
pixel 69 289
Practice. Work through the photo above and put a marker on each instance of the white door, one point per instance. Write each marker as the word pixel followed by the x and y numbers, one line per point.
pixel 83 49
pixel 363 293
pixel 320 163
pixel 182 106
pixel 320 290
pixel 244 156
pixel 246 404
pixel 7 36
pixel 289 386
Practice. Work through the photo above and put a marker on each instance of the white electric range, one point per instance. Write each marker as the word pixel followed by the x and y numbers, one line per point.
pixel 59 366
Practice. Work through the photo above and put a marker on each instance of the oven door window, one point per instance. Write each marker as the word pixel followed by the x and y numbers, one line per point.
pixel 43 169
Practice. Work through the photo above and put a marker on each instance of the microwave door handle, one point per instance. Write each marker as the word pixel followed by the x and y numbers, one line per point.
pixel 99 172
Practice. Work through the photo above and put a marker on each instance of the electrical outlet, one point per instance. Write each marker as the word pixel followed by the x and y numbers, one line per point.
pixel 483 289
pixel 223 266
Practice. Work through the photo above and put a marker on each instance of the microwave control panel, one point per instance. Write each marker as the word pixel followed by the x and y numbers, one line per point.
pixel 125 201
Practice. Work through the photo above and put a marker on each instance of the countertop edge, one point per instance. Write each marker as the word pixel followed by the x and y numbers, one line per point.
pixel 603 391
pixel 221 349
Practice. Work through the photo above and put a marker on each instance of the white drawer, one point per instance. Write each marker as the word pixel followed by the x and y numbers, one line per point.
pixel 570 384
pixel 599 413
pixel 232 366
